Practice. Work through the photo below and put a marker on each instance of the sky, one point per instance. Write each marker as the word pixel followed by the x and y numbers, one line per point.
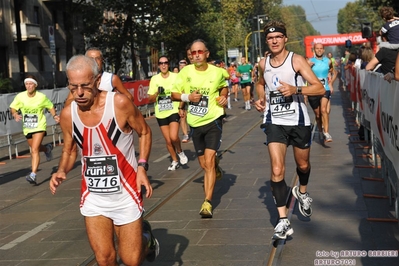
pixel 322 14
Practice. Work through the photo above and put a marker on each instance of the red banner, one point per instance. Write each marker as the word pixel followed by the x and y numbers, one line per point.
pixel 139 91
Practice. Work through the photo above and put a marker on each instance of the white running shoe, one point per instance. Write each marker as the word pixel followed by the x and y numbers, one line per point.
pixel 328 137
pixel 305 202
pixel 173 166
pixel 283 229
pixel 183 158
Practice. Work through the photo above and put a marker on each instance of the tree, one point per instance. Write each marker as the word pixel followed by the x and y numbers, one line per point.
pixel 353 14
pixel 376 4
pixel 297 27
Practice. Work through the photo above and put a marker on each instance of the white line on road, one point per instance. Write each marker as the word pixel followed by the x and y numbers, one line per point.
pixel 161 158
pixel 26 235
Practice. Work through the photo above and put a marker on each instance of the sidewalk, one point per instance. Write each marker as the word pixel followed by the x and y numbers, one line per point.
pixel 244 211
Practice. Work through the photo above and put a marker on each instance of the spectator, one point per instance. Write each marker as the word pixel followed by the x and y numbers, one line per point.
pixel 386 57
pixel 390 30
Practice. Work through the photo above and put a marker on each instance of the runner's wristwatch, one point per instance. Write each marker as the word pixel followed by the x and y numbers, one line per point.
pixel 143 164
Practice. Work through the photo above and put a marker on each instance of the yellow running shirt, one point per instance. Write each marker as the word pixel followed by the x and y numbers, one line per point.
pixel 33 119
pixel 164 106
pixel 208 83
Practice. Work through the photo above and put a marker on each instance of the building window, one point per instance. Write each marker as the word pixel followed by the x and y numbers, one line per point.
pixel 4 62
pixel 40 58
pixel 36 16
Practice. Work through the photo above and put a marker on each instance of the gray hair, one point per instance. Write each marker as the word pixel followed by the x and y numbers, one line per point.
pixel 80 62
pixel 94 49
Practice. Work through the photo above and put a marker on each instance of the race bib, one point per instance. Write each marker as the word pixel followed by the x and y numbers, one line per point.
pixel 200 108
pixel 31 120
pixel 165 103
pixel 102 174
pixel 245 76
pixel 323 81
pixel 280 105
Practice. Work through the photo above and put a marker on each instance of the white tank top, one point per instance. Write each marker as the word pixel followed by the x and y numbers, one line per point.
pixel 106 82
pixel 109 164
pixel 280 110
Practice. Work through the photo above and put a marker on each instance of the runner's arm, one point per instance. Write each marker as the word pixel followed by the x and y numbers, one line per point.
pixel 118 85
pixel 314 85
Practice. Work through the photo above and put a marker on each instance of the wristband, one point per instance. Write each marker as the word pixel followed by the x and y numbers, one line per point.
pixel 184 98
pixel 142 161
pixel 298 90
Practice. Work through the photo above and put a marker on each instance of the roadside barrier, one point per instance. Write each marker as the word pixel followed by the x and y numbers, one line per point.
pixel 376 104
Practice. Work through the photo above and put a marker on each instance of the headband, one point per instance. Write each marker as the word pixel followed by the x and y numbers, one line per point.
pixel 276 29
pixel 31 80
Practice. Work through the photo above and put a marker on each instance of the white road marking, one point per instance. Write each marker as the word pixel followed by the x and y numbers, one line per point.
pixel 26 235
pixel 161 158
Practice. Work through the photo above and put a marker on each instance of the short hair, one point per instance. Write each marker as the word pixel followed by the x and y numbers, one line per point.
pixel 314 45
pixel 387 12
pixel 95 49
pixel 199 40
pixel 80 62
pixel 275 24
pixel 163 56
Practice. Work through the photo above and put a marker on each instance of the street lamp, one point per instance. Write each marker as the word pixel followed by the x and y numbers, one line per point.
pixel 260 20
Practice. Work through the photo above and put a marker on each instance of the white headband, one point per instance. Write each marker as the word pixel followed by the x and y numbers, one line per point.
pixel 31 80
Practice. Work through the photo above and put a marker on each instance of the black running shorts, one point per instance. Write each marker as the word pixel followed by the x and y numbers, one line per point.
pixel 207 137
pixel 166 121
pixel 297 136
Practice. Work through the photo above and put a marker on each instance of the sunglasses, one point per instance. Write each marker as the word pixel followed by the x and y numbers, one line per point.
pixel 182 63
pixel 199 52
pixel 163 63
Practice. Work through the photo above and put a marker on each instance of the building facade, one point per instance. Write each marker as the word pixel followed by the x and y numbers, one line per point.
pixel 40 48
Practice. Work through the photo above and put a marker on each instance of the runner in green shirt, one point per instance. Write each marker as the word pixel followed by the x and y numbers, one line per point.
pixel 28 106
pixel 167 112
pixel 246 73
pixel 203 87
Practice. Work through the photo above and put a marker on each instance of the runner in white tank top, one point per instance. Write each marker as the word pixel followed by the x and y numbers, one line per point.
pixel 106 82
pixel 101 124
pixel 286 121
pixel 107 154
pixel 288 111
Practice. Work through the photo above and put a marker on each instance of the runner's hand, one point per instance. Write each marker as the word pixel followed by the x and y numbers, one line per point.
pixel 56 180
pixel 142 180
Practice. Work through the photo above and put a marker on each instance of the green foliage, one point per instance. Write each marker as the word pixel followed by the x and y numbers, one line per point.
pixel 376 4
pixel 353 14
pixel 132 27
pixel 297 27
pixel 5 85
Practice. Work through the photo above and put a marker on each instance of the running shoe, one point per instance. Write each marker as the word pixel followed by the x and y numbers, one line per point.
pixel 173 166
pixel 31 178
pixel 304 201
pixel 49 152
pixel 328 137
pixel 235 99
pixel 185 139
pixel 183 158
pixel 282 229
pixel 153 244
pixel 206 209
